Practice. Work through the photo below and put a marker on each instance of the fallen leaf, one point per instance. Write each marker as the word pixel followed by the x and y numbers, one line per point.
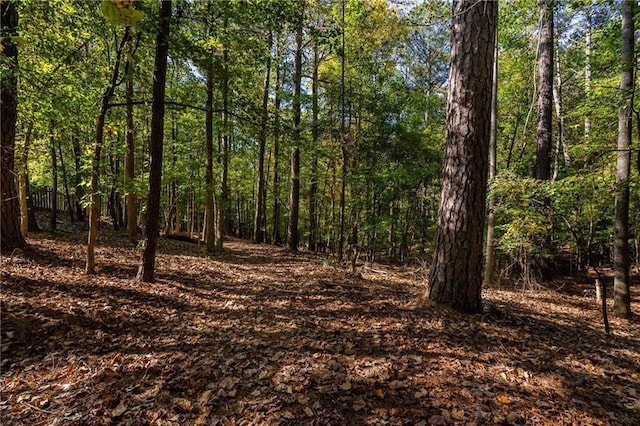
pixel 345 386
pixel 308 411
pixel 457 414
pixel 504 399
pixel 119 410
pixel 183 403
pixel 379 393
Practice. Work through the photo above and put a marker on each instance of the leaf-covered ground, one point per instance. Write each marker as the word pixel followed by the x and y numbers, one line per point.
pixel 261 336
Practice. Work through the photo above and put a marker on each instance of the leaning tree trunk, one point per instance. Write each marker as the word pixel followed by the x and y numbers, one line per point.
pixel 94 207
pixel 11 237
pixel 545 92
pixel 294 196
pixel 456 274
pixel 621 264
pixel 152 227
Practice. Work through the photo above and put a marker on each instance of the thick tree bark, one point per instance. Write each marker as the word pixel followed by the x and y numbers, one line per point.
pixel 225 195
pixel 11 237
pixel 545 92
pixel 489 264
pixel 343 145
pixel 621 261
pixel 152 227
pixel 94 208
pixel 456 274
pixel 294 196
pixel 130 165
pixel 258 223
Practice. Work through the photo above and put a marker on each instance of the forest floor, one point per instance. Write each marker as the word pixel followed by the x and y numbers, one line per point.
pixel 258 336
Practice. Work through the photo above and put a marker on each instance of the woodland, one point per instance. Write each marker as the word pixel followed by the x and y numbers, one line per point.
pixel 319 212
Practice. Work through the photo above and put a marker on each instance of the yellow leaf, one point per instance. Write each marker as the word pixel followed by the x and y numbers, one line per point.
pixel 504 399
pixel 379 393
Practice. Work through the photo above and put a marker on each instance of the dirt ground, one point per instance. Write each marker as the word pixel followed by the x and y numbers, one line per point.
pixel 260 336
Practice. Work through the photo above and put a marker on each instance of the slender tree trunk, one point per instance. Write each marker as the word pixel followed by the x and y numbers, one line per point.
pixel 65 182
pixel 94 209
pixel 79 189
pixel 258 228
pixel 210 225
pixel 621 261
pixel 456 274
pixel 53 218
pixel 489 265
pixel 343 140
pixel 130 165
pixel 11 237
pixel 313 189
pixel 557 101
pixel 545 92
pixel 294 196
pixel 23 179
pixel 152 227
pixel 225 195
pixel 275 227
pixel 587 70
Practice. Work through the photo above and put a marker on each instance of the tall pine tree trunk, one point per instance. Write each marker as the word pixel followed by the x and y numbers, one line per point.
pixel 456 274
pixel 11 237
pixel 294 196
pixel 621 263
pixel 258 223
pixel 152 227
pixel 545 92
pixel 313 188
pixel 53 218
pixel 275 224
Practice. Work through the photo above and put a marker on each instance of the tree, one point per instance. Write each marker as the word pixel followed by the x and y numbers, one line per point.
pixel 545 92
pixel 294 195
pixel 11 234
pixel 152 226
pixel 456 274
pixel 621 290
pixel 94 207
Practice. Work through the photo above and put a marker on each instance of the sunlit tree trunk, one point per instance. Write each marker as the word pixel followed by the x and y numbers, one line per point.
pixel 621 290
pixel 152 227
pixel 545 92
pixel 11 237
pixel 456 274
pixel 489 264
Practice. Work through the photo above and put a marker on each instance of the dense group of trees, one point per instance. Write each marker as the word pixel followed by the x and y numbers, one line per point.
pixel 325 124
